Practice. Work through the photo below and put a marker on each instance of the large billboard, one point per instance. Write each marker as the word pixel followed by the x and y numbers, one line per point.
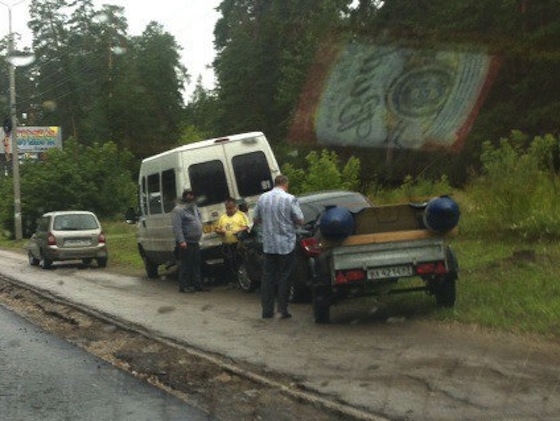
pixel 33 139
pixel 384 96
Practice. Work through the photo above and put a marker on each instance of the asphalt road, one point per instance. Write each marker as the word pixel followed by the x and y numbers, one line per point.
pixel 45 378
pixel 399 368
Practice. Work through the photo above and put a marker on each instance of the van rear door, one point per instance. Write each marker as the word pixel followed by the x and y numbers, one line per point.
pixel 207 171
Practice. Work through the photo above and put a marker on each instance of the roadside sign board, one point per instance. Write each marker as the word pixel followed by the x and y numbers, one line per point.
pixel 33 139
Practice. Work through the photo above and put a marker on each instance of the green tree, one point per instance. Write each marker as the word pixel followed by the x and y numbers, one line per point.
pixel 265 48
pixel 96 178
pixel 162 76
pixel 99 84
pixel 323 171
pixel 200 115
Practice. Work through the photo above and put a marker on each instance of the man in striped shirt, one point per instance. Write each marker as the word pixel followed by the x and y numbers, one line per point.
pixel 279 214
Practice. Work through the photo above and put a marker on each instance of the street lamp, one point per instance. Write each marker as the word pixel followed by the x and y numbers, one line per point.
pixel 15 154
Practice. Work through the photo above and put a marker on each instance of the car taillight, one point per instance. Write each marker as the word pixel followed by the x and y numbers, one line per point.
pixel 311 247
pixel 101 238
pixel 51 239
pixel 344 276
pixel 431 268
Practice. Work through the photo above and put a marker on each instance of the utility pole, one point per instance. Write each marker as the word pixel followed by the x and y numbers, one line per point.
pixel 13 116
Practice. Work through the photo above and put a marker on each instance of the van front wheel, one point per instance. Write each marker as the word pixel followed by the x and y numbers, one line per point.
pixel 151 267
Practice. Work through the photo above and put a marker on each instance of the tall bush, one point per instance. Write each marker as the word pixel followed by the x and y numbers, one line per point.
pixel 412 189
pixel 517 193
pixel 323 171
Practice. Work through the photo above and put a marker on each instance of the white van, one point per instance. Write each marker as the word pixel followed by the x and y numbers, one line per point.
pixel 241 166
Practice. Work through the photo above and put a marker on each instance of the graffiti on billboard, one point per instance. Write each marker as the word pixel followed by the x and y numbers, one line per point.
pixel 380 96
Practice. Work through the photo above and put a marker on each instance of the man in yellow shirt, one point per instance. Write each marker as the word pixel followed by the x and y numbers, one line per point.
pixel 229 224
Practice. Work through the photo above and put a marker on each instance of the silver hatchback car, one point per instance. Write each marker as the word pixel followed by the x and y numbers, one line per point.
pixel 67 235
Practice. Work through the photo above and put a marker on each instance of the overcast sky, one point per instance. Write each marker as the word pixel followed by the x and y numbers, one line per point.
pixel 191 22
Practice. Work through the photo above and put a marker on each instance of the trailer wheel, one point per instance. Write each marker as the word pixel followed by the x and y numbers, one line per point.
pixel 302 278
pixel 445 292
pixel 321 305
pixel 446 288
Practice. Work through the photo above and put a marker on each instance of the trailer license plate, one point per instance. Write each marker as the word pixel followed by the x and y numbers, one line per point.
pixel 390 272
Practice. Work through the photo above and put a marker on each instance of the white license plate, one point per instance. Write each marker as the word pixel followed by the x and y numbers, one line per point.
pixel 77 243
pixel 390 272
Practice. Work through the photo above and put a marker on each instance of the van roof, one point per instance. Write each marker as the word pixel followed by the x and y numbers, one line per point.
pixel 206 143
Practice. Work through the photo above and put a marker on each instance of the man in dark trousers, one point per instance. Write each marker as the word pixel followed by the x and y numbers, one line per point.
pixel 187 228
pixel 279 213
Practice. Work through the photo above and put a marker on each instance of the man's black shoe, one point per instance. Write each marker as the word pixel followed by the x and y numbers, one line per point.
pixel 182 290
pixel 202 289
pixel 286 316
pixel 267 315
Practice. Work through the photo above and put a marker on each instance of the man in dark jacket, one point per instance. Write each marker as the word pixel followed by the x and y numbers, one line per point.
pixel 187 228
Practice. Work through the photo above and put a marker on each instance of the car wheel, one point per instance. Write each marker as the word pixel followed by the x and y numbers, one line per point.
pixel 322 293
pixel 32 260
pixel 87 262
pixel 300 291
pixel 44 262
pixel 244 280
pixel 102 262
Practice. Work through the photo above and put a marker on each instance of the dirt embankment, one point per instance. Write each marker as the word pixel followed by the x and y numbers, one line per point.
pixel 225 391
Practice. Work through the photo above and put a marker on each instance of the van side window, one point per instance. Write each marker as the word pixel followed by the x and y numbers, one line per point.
pixel 208 180
pixel 252 174
pixel 169 190
pixel 143 196
pixel 154 194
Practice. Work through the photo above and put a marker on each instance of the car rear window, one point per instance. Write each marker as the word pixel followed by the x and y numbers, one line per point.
pixel 311 207
pixel 74 222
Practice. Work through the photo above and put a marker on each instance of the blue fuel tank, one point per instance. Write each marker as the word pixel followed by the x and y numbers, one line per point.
pixel 441 214
pixel 336 223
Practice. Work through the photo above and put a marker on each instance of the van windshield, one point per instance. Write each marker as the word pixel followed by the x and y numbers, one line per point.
pixel 252 173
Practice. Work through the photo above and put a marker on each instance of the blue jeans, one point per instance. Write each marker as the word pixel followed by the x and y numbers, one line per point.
pixel 276 282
